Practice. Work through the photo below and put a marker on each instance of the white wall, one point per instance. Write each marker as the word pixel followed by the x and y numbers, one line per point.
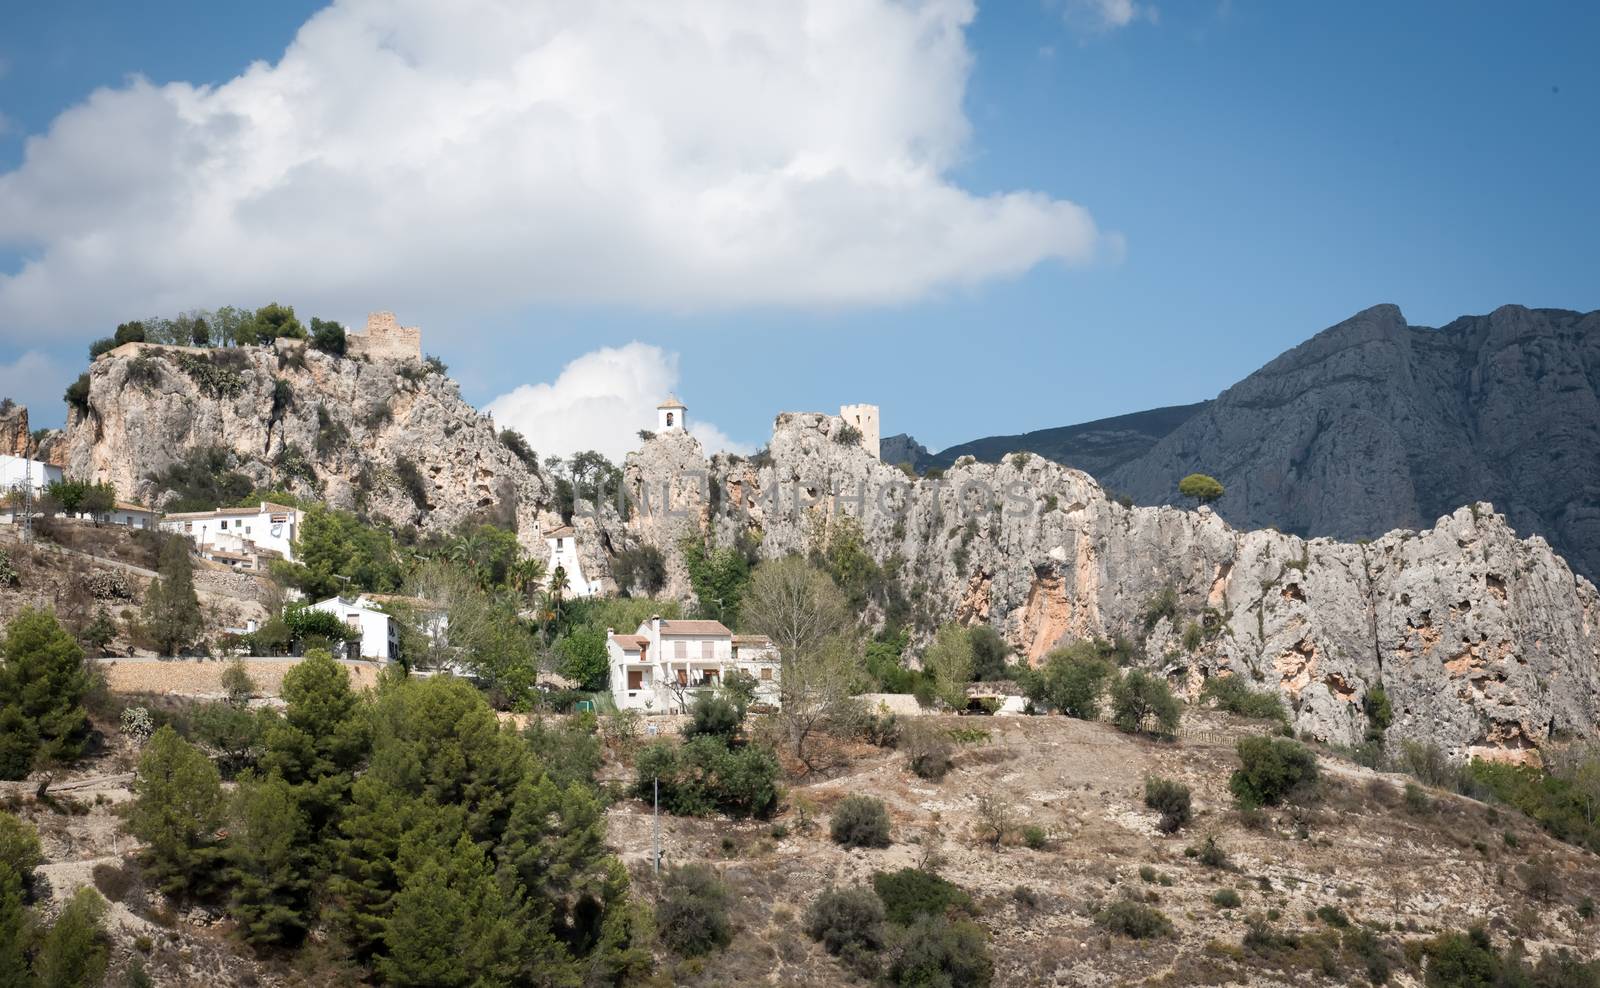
pixel 257 527
pixel 564 553
pixel 374 624
pixel 16 470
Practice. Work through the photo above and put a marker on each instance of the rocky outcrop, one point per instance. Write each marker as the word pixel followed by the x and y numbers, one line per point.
pixel 391 438
pixel 15 439
pixel 1486 643
pixel 1374 424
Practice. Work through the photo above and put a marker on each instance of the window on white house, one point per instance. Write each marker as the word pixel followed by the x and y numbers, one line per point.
pixel 766 675
pixel 708 650
pixel 680 649
pixel 224 526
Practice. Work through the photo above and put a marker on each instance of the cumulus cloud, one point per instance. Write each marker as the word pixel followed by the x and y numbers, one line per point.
pixel 600 401
pixel 466 158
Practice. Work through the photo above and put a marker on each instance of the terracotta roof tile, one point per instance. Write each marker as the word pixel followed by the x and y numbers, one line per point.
pixel 702 628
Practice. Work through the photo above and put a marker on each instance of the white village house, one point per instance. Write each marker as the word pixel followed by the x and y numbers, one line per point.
pixel 244 538
pixel 658 667
pixel 379 633
pixel 563 546
pixel 133 515
pixel 16 471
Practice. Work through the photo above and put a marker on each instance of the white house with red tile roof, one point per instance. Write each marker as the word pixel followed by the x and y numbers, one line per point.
pixel 660 667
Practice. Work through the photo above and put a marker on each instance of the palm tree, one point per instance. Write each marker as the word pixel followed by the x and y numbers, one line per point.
pixel 526 575
pixel 558 585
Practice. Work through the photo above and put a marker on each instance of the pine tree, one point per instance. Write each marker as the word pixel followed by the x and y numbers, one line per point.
pixel 438 738
pixel 270 862
pixel 453 926
pixel 44 680
pixel 380 821
pixel 555 843
pixel 74 953
pixel 323 736
pixel 171 608
pixel 177 811
pixel 19 848
pixel 14 931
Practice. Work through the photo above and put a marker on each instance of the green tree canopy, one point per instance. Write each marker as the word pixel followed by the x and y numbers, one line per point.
pixel 177 811
pixel 1071 680
pixel 1204 488
pixel 270 862
pixel 43 682
pixel 172 616
pixel 328 336
pixel 75 952
pixel 949 661
pixel 335 543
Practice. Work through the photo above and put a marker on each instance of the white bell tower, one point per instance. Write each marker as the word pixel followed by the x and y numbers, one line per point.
pixel 672 416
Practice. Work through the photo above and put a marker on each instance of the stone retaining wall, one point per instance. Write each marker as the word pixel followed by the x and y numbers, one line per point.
pixel 202 678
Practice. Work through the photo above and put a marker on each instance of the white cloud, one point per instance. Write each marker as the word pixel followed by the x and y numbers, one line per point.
pixel 600 401
pixel 1108 15
pixel 467 158
pixel 37 380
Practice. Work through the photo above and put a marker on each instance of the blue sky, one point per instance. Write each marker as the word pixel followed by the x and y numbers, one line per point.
pixel 1259 171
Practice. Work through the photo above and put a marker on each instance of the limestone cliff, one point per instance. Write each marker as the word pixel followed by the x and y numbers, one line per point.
pixel 391 437
pixel 1485 642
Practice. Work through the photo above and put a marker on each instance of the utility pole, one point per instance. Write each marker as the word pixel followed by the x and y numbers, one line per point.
pixel 656 827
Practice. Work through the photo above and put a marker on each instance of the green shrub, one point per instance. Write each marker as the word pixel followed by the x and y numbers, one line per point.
pixel 75 952
pixel 1272 769
pixel 1169 798
pixel 1071 680
pixel 1417 799
pixel 713 716
pixel 1163 605
pixel 912 892
pixel 1134 920
pixel 860 821
pixel 935 951
pixel 19 847
pixel 1333 916
pixel 1143 703
pixel 704 776
pixel 1234 695
pixel 1560 803
pixel 848 923
pixel 1035 837
pixel 1226 899
pixel 692 915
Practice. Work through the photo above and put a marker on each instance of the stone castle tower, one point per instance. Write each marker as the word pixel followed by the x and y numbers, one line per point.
pixel 385 339
pixel 865 419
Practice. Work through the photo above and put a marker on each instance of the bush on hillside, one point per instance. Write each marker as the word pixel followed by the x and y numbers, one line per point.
pixel 1271 769
pixel 1142 703
pixel 1170 799
pixel 912 892
pixel 692 915
pixel 860 821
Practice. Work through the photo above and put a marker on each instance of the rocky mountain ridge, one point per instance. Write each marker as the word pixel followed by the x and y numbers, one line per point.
pixel 1486 643
pixel 1371 425
pixel 392 438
